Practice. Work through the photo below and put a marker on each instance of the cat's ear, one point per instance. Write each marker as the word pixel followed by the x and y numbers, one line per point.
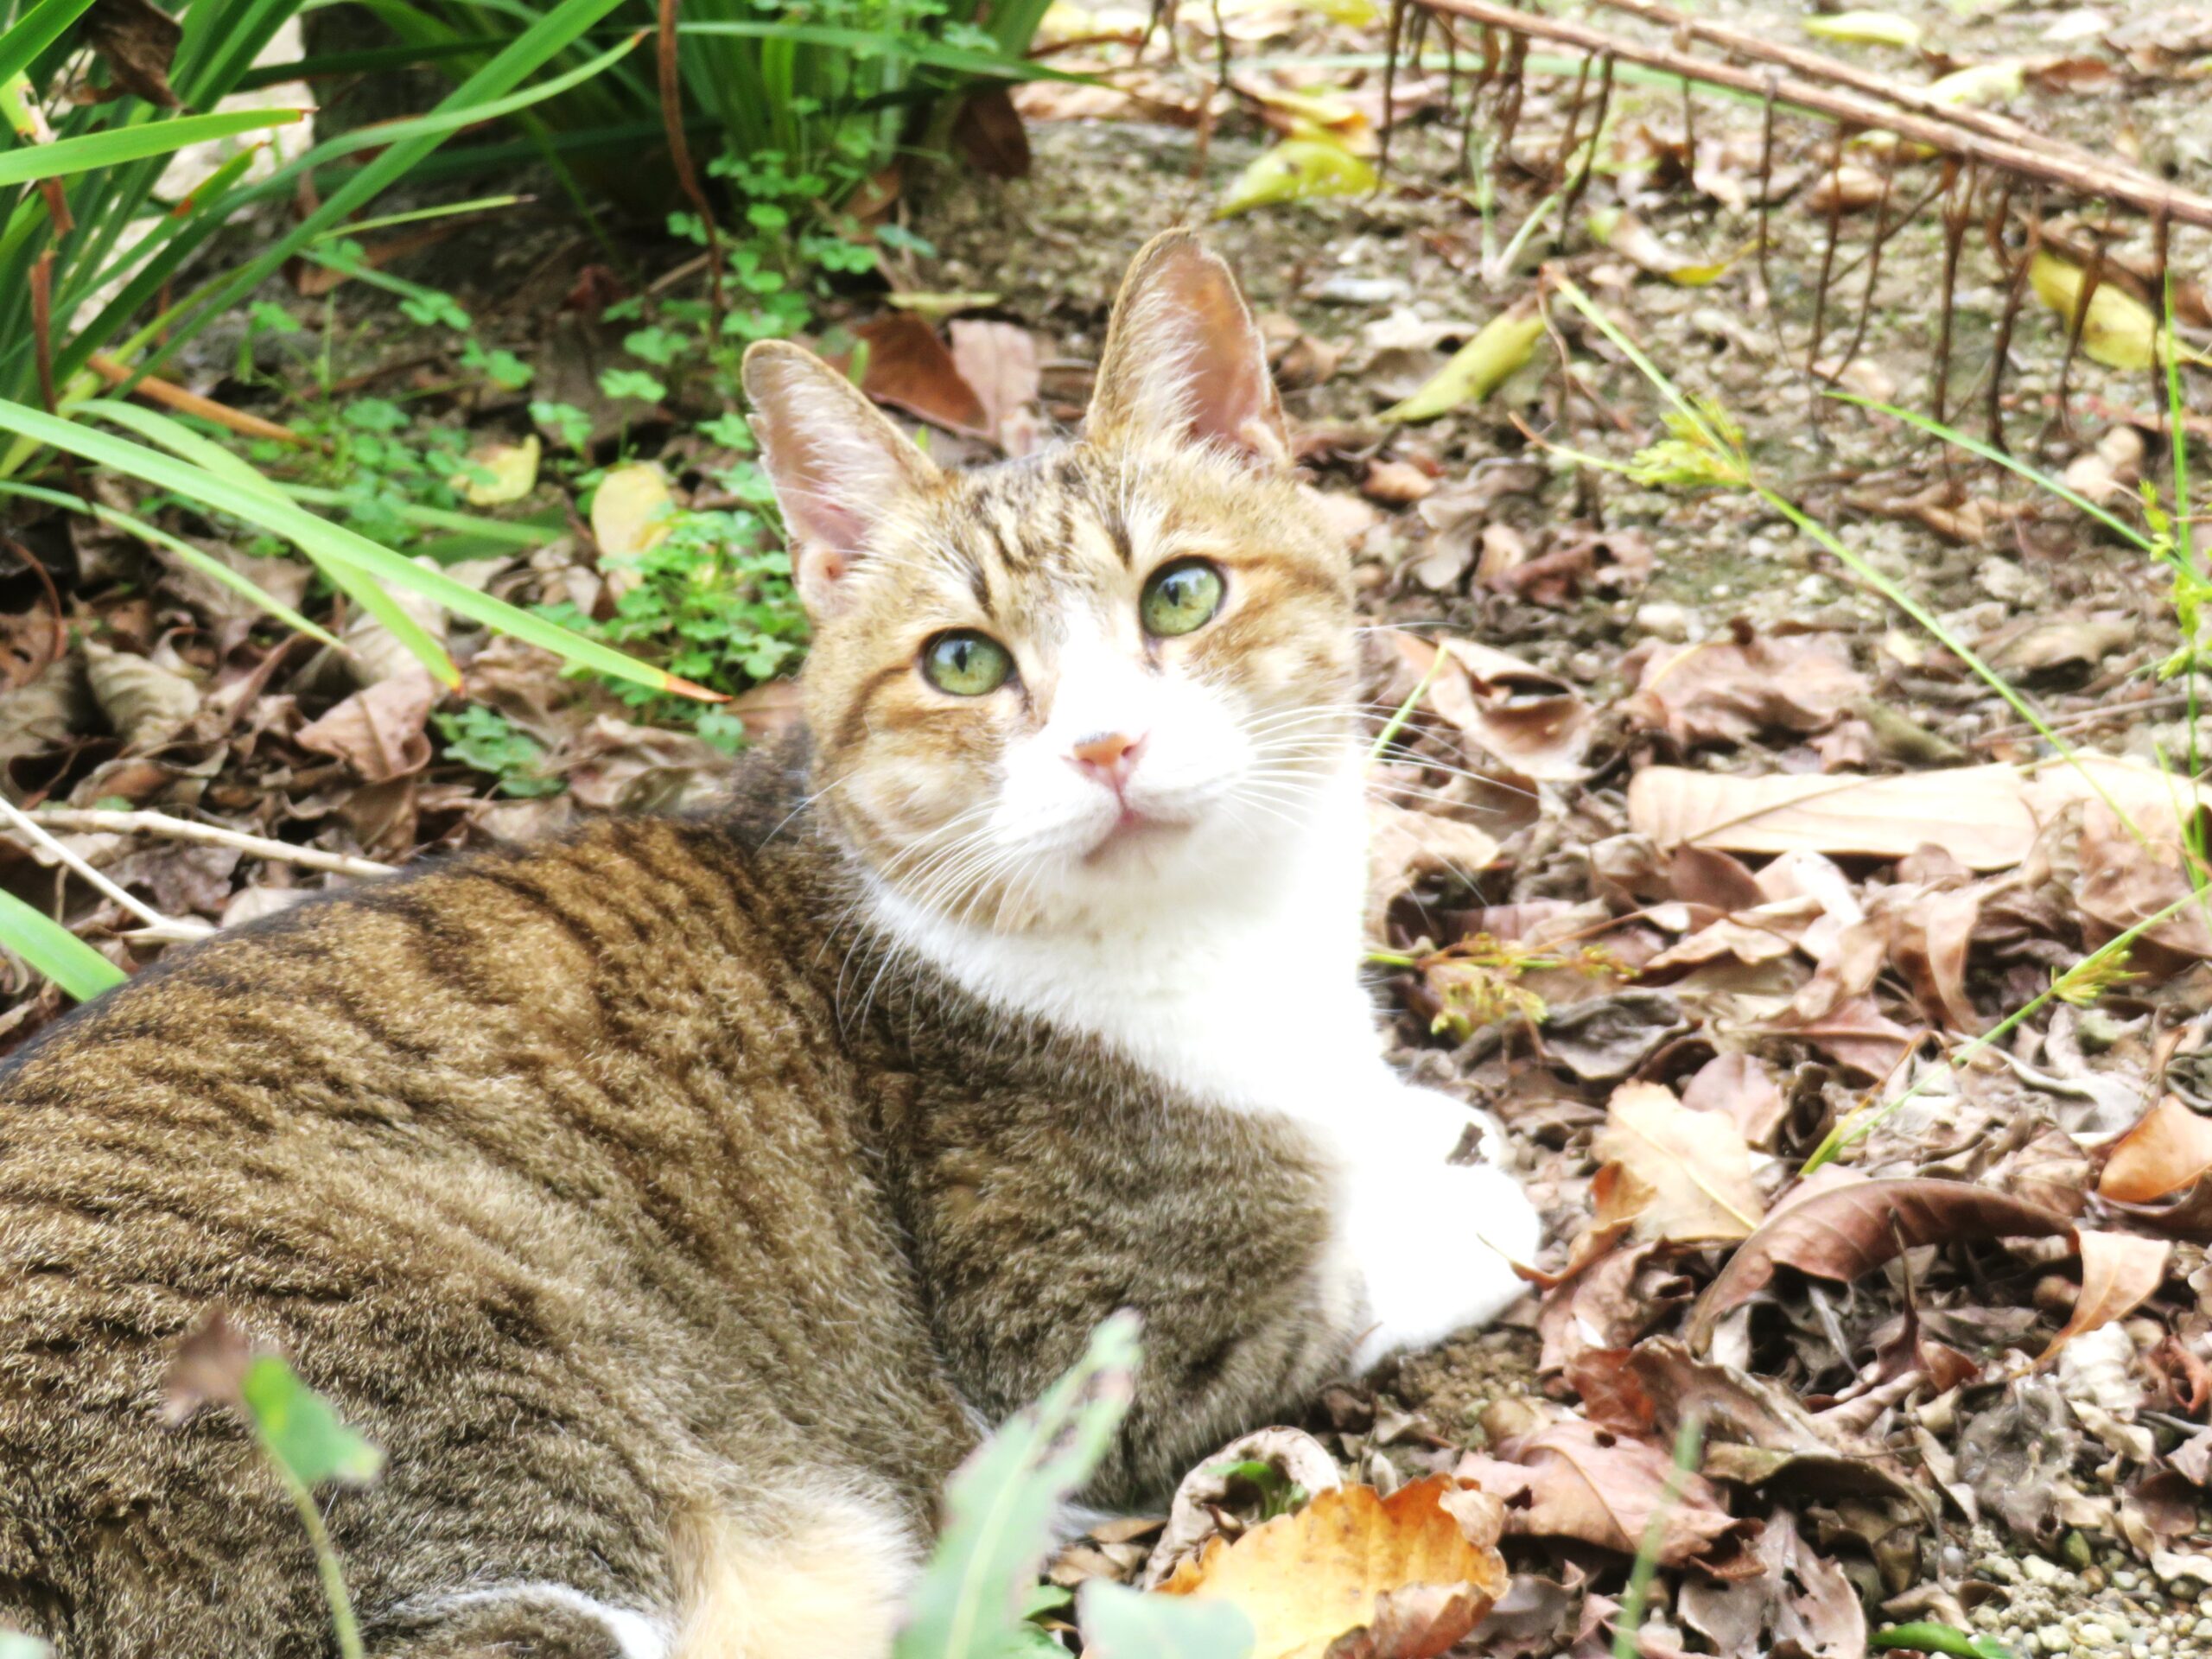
pixel 839 465
pixel 1184 361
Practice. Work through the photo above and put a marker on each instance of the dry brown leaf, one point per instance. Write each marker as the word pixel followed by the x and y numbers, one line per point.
pixel 1852 1228
pixel 137 40
pixel 378 731
pixel 2120 1272
pixel 147 704
pixel 1741 1089
pixel 1576 1480
pixel 1728 690
pixel 1978 815
pixel 1681 1176
pixel 2125 882
pixel 1852 1031
pixel 1799 1602
pixel 1403 847
pixel 1395 483
pixel 1534 721
pixel 998 362
pixel 909 368
pixel 2167 1150
pixel 209 1368
pixel 1308 1579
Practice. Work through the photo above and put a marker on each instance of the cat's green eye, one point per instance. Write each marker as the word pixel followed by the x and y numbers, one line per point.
pixel 1181 598
pixel 965 662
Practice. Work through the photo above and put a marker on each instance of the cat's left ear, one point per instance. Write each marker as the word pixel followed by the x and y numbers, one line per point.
pixel 840 467
pixel 1184 361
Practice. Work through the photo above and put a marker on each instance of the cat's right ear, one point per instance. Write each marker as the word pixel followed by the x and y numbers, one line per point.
pixel 839 465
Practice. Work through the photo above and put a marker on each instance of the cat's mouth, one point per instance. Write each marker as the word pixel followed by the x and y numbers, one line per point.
pixel 1133 828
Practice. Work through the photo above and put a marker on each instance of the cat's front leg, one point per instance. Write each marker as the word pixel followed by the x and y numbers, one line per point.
pixel 1433 1242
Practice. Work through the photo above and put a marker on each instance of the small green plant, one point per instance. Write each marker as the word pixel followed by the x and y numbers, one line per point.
pixel 1689 1446
pixel 1477 980
pixel 300 1434
pixel 487 740
pixel 1279 1494
pixel 710 601
pixel 979 1593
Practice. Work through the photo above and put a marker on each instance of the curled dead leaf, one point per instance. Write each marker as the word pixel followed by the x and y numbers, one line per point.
pixel 378 731
pixel 2120 1272
pixel 2168 1148
pixel 1853 1227
pixel 1576 1480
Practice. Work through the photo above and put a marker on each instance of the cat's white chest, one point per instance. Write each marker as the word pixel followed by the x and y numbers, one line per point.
pixel 1258 1009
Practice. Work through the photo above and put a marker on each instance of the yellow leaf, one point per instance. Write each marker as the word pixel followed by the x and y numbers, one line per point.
pixel 1295 169
pixel 1477 368
pixel 1416 1569
pixel 2121 333
pixel 512 468
pixel 1866 29
pixel 1986 83
pixel 632 510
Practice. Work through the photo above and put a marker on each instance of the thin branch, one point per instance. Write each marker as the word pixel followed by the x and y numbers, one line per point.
pixel 173 926
pixel 102 821
pixel 2084 174
pixel 679 149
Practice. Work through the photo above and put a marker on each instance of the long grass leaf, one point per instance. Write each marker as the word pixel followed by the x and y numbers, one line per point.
pixel 324 540
pixel 41 27
pixel 121 144
pixel 54 951
pixel 861 42
pixel 1974 445
pixel 363 589
pixel 528 51
pixel 209 566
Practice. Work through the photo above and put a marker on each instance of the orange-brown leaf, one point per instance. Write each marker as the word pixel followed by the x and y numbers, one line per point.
pixel 2166 1150
pixel 1346 1564
pixel 909 368
pixel 2120 1272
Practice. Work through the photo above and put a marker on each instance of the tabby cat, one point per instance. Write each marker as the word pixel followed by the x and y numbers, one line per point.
pixel 677 1201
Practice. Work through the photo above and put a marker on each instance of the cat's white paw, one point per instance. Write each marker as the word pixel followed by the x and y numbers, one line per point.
pixel 1434 1242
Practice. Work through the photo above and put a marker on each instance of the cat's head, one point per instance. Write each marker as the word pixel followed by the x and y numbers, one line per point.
pixel 1113 672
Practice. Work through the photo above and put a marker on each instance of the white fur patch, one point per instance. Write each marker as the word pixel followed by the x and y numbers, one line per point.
pixel 1241 987
pixel 830 1581
pixel 639 1635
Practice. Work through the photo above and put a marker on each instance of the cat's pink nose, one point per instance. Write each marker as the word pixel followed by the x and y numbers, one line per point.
pixel 1111 757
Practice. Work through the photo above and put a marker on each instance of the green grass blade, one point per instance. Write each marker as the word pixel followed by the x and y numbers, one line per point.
pixel 861 42
pixel 40 27
pixel 416 215
pixel 1972 445
pixel 550 34
pixel 182 441
pixel 54 951
pixel 206 563
pixel 505 532
pixel 133 143
pixel 334 543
